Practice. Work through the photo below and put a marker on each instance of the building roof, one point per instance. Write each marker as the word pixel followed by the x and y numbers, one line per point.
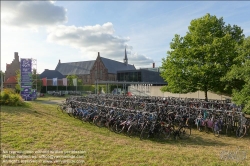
pixel 78 68
pixel 50 74
pixel 114 66
pixel 11 80
pixel 84 67
pixel 151 76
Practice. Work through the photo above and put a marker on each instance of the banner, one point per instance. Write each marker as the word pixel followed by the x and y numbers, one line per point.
pixel 44 81
pixel 26 78
pixel 75 81
pixel 64 81
pixel 54 81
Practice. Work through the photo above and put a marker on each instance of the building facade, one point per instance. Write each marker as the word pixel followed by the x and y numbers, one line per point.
pixel 10 73
pixel 101 69
pixel 147 75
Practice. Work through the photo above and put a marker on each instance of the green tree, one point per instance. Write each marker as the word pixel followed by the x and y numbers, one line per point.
pixel 70 80
pixel 18 79
pixel 241 71
pixel 202 57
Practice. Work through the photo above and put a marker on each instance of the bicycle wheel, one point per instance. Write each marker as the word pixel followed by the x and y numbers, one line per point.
pixel 170 132
pixel 118 127
pixel 100 122
pixel 145 132
pixel 228 130
pixel 184 132
pixel 131 131
pixel 163 134
pixel 216 133
pixel 241 131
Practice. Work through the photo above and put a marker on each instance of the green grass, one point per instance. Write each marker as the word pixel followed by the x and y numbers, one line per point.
pixel 41 127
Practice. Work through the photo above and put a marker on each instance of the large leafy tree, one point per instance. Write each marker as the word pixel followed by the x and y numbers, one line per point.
pixel 241 71
pixel 202 57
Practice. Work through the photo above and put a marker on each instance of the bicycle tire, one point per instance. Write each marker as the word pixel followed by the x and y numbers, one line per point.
pixel 145 132
pixel 130 131
pixel 118 128
pixel 241 131
pixel 184 132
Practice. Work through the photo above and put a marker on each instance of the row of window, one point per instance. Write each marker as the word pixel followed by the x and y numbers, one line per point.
pixel 129 76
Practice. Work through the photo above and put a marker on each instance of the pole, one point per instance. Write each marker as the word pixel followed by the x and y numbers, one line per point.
pixel 1 81
pixel 66 84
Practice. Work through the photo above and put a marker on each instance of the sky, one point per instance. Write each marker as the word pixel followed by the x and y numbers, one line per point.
pixel 75 31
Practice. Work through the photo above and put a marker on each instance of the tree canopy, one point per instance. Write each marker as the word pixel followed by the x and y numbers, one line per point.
pixel 241 71
pixel 200 59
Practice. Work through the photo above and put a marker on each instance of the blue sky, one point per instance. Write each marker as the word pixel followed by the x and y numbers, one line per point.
pixel 77 31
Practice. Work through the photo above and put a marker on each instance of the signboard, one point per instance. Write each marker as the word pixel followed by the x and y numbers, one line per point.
pixel 26 78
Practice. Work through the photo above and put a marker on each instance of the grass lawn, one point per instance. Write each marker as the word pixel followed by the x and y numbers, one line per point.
pixel 40 127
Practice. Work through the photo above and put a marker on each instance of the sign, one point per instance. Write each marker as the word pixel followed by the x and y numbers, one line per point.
pixel 44 81
pixel 54 81
pixel 75 81
pixel 65 81
pixel 26 78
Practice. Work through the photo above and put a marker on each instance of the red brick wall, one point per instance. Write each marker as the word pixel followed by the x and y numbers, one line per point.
pixel 50 82
pixel 13 67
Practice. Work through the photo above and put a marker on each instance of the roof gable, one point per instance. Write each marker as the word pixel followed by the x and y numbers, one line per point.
pixel 114 66
pixel 50 74
pixel 72 68
pixel 11 80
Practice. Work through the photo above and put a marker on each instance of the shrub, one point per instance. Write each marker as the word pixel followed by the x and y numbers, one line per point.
pixel 9 97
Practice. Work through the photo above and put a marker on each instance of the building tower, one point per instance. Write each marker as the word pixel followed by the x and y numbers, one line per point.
pixel 125 60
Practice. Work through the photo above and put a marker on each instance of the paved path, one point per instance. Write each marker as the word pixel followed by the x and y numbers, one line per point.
pixel 52 101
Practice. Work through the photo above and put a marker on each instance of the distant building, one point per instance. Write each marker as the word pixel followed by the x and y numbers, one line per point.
pixel 101 69
pixel 147 75
pixel 10 80
pixel 50 74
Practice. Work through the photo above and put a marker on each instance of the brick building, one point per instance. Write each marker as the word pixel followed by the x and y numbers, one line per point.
pixel 10 72
pixel 101 69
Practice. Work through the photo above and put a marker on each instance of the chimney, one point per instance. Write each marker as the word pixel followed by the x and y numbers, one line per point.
pixel 59 61
pixel 99 54
pixel 153 65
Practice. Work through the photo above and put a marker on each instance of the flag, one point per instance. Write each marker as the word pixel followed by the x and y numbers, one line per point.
pixel 75 81
pixel 44 81
pixel 54 81
pixel 64 81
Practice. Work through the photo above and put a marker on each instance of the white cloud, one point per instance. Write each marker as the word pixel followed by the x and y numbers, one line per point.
pixel 97 38
pixel 30 14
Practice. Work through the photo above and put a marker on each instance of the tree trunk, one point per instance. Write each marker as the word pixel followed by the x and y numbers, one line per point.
pixel 206 99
